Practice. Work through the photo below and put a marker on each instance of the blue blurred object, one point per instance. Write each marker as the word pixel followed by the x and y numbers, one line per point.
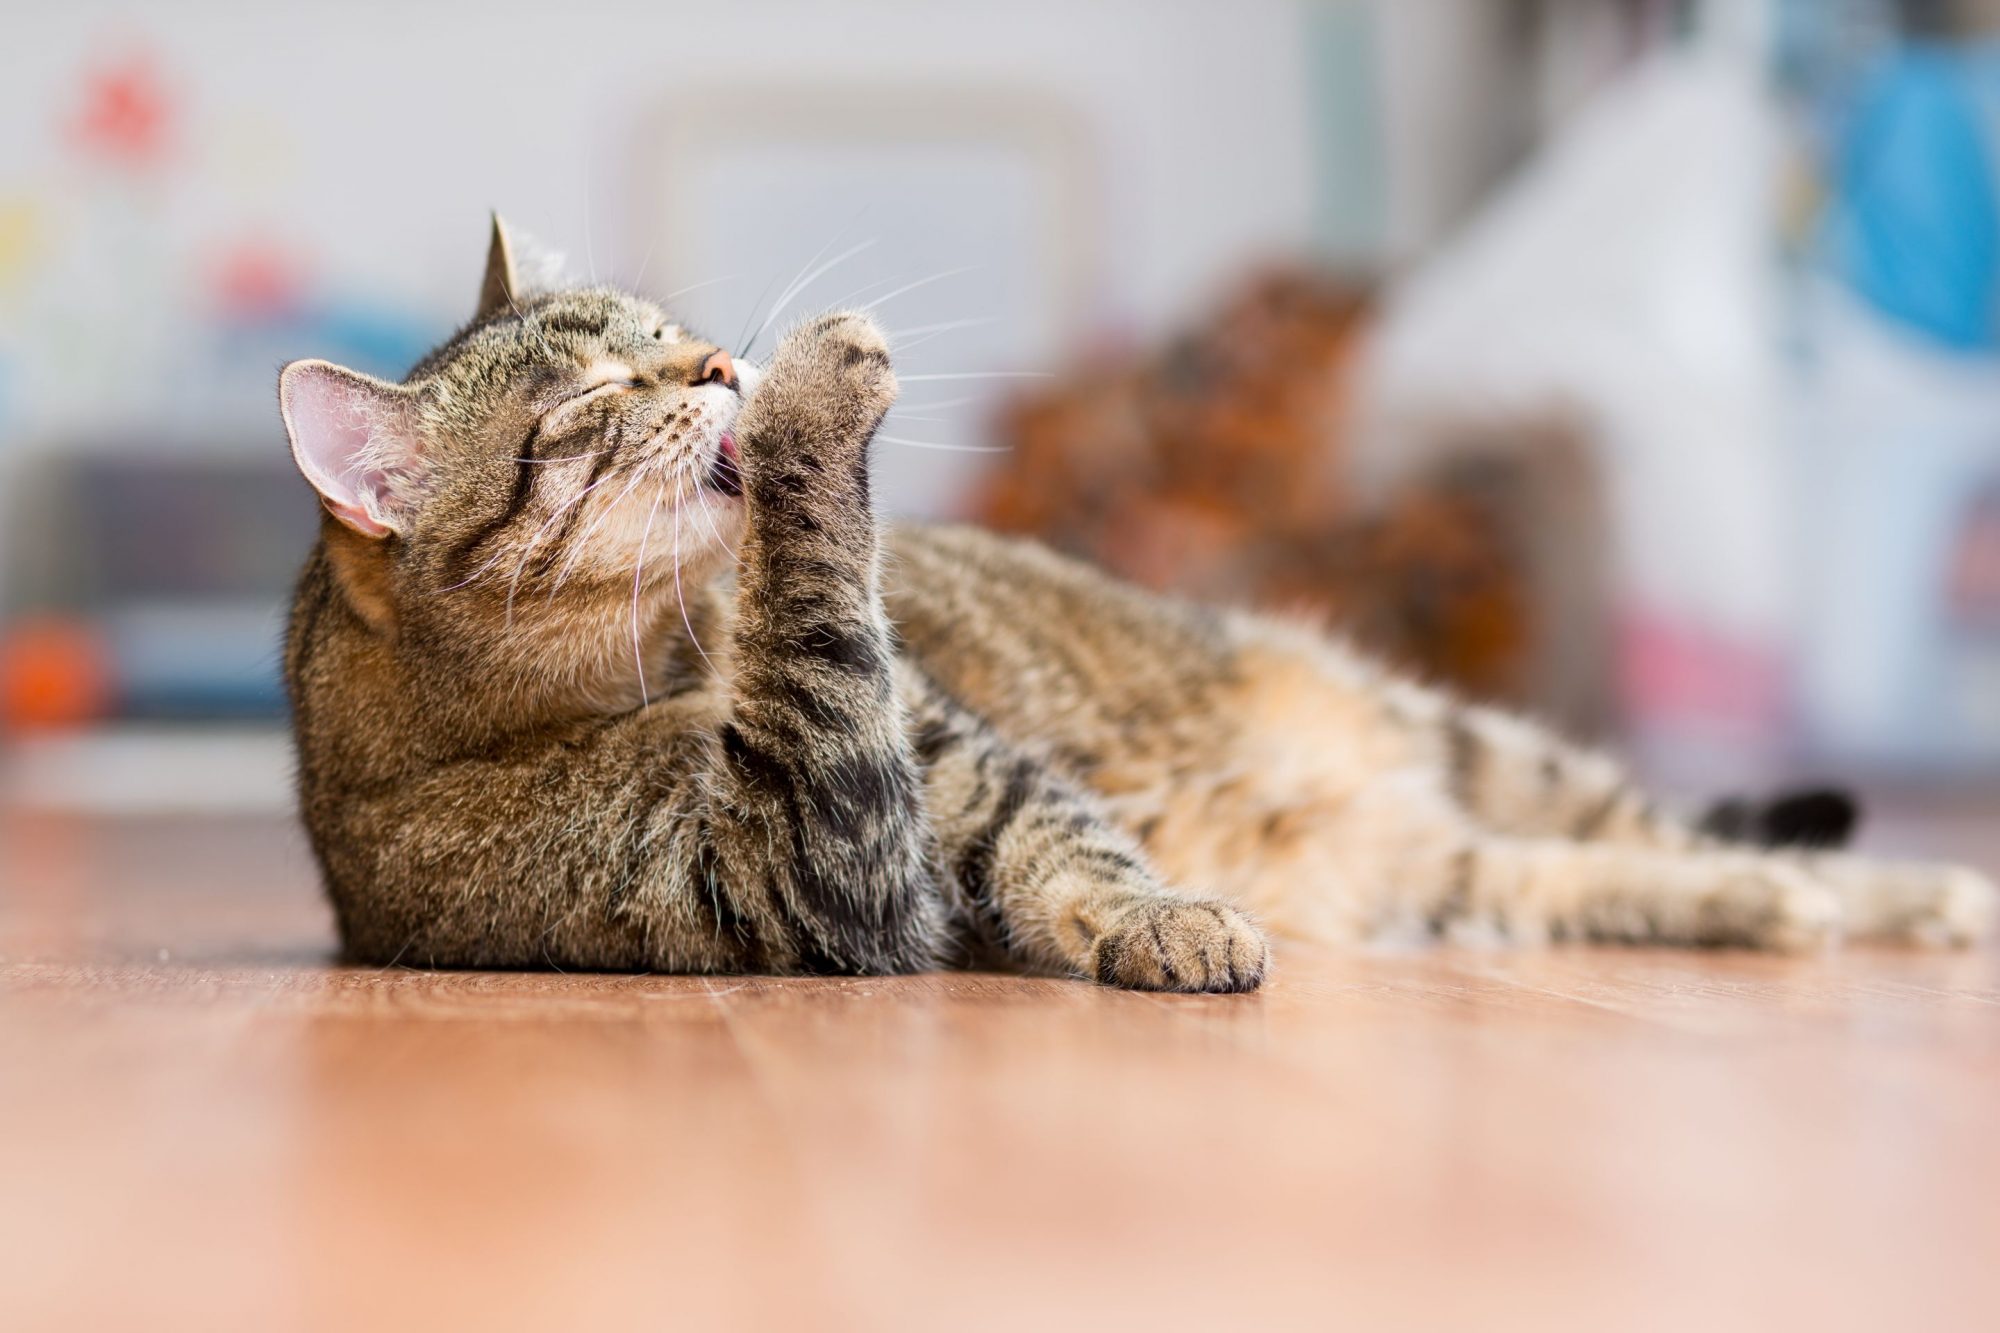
pixel 1914 223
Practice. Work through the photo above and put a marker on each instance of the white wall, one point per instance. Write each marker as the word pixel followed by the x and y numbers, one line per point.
pixel 369 139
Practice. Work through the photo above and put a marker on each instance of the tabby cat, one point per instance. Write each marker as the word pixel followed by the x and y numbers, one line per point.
pixel 603 660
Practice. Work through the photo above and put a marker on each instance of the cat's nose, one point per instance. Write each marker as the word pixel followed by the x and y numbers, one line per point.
pixel 717 369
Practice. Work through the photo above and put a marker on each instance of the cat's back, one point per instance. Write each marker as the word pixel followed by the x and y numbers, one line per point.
pixel 1036 641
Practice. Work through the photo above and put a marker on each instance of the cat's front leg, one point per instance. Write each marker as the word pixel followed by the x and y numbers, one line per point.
pixel 1041 874
pixel 821 810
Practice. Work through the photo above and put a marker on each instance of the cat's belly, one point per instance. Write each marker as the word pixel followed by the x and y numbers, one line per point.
pixel 1250 758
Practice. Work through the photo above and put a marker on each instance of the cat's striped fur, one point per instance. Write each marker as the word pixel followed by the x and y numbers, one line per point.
pixel 571 689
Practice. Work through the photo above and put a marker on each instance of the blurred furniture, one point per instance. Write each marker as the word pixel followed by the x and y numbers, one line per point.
pixel 1217 466
pixel 164 571
pixel 141 634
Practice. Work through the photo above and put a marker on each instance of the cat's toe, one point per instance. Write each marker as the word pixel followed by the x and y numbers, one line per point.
pixel 1178 944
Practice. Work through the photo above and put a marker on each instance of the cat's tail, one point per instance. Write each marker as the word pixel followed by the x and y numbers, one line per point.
pixel 1812 817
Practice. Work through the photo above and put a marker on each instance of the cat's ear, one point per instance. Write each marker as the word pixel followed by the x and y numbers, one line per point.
pixel 518 268
pixel 356 440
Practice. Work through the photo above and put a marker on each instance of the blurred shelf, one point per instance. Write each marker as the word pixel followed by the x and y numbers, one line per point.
pixel 149 769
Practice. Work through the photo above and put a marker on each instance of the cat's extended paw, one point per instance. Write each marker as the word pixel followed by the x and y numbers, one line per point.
pixel 1181 944
pixel 1939 906
pixel 1961 910
pixel 827 387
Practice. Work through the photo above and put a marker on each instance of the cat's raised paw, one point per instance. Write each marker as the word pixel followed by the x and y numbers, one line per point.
pixel 827 387
pixel 1179 944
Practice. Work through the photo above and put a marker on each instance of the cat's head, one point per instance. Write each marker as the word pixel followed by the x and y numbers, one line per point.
pixel 568 443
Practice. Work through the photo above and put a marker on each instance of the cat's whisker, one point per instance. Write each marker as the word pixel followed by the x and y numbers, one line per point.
pixel 566 458
pixel 791 286
pixel 797 289
pixel 949 448
pixel 693 287
pixel 977 375
pixel 680 596
pixel 532 324
pixel 498 556
pixel 743 347
pixel 944 326
pixel 708 517
pixel 903 340
pixel 638 583
pixel 938 406
pixel 644 260
pixel 858 292
pixel 582 539
pixel 520 565
pixel 912 286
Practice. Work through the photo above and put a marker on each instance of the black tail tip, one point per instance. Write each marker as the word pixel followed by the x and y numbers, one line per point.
pixel 1819 817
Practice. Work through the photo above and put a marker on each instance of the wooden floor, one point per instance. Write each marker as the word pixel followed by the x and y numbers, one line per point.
pixel 205 1125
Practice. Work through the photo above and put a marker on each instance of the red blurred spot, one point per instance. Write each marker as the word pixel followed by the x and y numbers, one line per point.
pixel 53 673
pixel 258 278
pixel 125 114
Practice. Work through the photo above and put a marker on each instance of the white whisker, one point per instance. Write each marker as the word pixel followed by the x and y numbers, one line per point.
pixel 952 448
pixel 898 336
pixel 937 406
pixel 534 324
pixel 693 287
pixel 543 531
pixel 645 260
pixel 498 556
pixel 566 458
pixel 708 520
pixel 858 292
pixel 638 573
pixel 756 305
pixel 912 286
pixel 746 347
pixel 582 539
pixel 978 375
pixel 793 292
pixel 520 566
pixel 681 596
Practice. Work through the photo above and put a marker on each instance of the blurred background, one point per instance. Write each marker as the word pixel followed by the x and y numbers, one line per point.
pixel 1633 360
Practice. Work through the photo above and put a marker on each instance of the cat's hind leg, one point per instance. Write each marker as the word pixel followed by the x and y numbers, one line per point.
pixel 1547 888
pixel 1521 780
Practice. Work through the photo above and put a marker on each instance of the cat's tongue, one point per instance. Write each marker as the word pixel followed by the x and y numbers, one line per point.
pixel 728 474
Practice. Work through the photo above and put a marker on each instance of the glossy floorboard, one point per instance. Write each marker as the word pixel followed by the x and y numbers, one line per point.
pixel 204 1124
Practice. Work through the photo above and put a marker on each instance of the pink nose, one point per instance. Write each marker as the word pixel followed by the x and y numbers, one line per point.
pixel 717 369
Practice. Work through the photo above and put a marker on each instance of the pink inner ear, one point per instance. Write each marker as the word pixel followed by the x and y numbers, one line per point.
pixel 334 417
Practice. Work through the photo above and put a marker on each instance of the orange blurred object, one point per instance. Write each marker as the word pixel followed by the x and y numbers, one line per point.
pixel 54 672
